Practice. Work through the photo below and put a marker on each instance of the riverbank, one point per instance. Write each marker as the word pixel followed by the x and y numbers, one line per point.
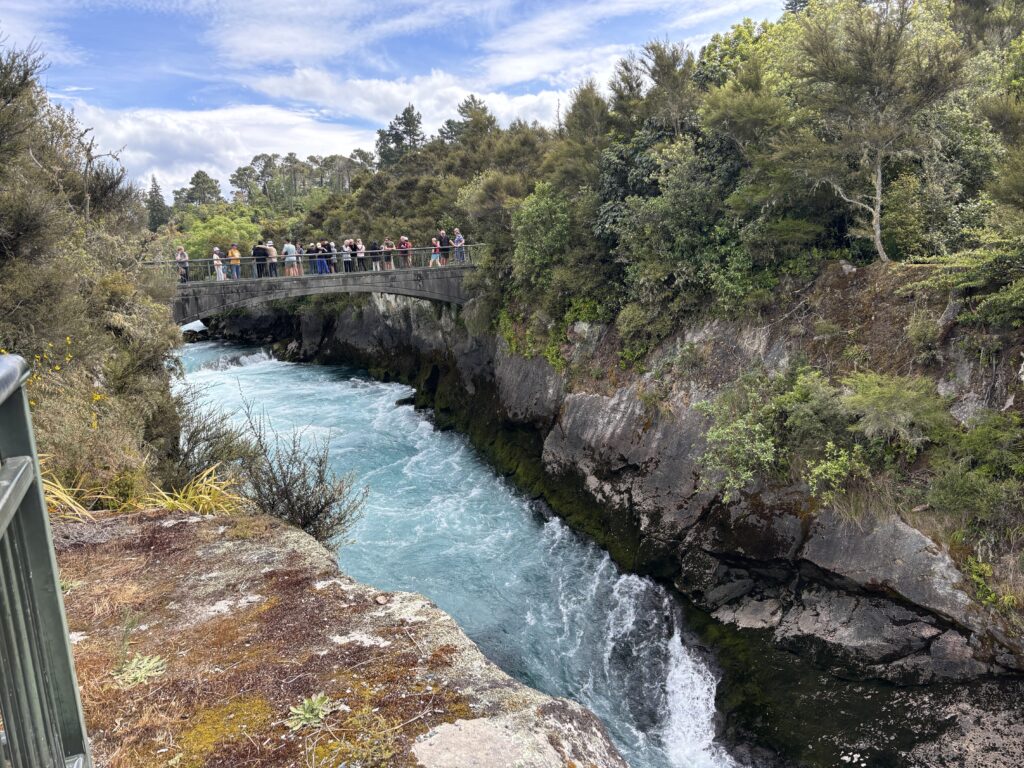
pixel 875 601
pixel 194 637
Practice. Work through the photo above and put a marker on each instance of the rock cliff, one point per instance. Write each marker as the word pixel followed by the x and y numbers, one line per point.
pixel 871 599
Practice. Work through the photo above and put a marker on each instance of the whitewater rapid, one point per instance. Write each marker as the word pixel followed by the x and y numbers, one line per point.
pixel 549 607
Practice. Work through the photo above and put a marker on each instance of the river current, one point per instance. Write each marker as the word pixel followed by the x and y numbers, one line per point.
pixel 547 606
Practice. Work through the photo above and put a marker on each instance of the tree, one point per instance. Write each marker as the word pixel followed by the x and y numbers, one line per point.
pixel 221 230
pixel 245 180
pixel 19 73
pixel 541 229
pixel 202 189
pixel 403 134
pixel 588 117
pixel 476 125
pixel 868 72
pixel 158 209
pixel 672 98
pixel 627 87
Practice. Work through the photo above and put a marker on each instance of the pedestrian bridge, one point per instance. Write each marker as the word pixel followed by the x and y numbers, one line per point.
pixel 201 299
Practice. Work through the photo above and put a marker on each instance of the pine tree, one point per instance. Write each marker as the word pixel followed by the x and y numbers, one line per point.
pixel 202 189
pixel 159 210
pixel 403 134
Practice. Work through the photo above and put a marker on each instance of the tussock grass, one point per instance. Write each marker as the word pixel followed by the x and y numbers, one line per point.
pixel 70 502
pixel 206 494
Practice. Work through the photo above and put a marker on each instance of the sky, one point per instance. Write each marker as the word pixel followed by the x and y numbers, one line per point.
pixel 187 84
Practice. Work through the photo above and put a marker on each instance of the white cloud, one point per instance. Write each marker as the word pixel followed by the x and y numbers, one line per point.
pixel 435 95
pixel 171 144
pixel 731 11
pixel 27 22
pixel 322 64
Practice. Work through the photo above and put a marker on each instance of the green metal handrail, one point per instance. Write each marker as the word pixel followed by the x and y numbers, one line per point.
pixel 40 705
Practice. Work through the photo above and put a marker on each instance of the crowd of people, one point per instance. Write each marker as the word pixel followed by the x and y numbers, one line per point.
pixel 323 257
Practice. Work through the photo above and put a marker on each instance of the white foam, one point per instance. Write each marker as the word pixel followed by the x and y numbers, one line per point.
pixel 689 729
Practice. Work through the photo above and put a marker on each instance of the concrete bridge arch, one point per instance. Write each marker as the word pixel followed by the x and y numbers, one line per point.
pixel 199 300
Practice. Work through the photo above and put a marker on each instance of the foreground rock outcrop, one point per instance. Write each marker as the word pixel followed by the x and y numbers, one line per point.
pixel 242 618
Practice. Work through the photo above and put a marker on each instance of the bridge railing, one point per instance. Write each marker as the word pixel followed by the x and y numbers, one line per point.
pixel 42 725
pixel 247 267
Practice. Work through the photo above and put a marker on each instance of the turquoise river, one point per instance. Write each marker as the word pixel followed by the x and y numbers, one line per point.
pixel 547 606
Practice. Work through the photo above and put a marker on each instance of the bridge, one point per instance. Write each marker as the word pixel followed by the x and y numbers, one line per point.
pixel 201 299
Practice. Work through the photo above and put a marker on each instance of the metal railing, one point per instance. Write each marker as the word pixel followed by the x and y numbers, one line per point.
pixel 304 264
pixel 39 700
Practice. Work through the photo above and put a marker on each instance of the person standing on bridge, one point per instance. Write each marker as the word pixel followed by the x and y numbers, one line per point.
pixel 271 259
pixel 446 246
pixel 332 260
pixel 374 249
pixel 388 253
pixel 291 258
pixel 346 256
pixel 259 259
pixel 460 247
pixel 235 262
pixel 405 249
pixel 321 247
pixel 435 252
pixel 181 259
pixel 312 258
pixel 218 265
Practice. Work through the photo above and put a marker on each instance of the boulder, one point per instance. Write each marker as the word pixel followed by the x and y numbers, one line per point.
pixel 863 631
pixel 889 557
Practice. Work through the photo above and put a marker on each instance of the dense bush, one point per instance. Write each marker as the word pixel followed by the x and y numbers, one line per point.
pixel 95 329
pixel 800 426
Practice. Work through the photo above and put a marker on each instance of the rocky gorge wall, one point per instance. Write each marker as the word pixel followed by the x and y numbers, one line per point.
pixel 872 599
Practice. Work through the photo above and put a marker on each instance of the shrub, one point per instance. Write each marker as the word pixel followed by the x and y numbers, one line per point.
pixel 641 327
pixel 972 494
pixel 209 437
pixel 899 414
pixel 291 479
pixel 923 333
pixel 810 413
pixel 981 574
pixel 827 478
pixel 741 442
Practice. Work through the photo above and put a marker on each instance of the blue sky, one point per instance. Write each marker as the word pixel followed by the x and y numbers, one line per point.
pixel 184 84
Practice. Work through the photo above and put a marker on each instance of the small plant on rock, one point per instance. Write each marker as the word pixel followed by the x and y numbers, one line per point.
pixel 138 670
pixel 311 713
pixel 828 476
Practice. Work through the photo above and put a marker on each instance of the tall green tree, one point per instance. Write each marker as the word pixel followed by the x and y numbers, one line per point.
pixel 202 189
pixel 868 72
pixel 159 212
pixel 403 134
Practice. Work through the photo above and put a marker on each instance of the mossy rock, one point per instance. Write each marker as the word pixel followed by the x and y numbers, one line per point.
pixel 212 728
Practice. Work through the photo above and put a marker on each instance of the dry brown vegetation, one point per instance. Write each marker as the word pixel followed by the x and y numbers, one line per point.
pixel 245 626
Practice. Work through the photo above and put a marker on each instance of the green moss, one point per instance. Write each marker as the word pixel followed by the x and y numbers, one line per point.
pixel 214 727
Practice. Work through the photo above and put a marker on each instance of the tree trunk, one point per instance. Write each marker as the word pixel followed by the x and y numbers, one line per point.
pixel 876 211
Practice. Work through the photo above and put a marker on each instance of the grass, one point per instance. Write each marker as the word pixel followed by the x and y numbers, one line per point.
pixel 69 502
pixel 206 494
